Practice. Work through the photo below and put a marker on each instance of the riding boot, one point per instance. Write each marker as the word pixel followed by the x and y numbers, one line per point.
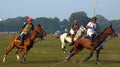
pixel 22 40
pixel 72 42
pixel 92 38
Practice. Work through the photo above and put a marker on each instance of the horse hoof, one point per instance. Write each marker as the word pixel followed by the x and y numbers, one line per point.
pixel 64 50
pixel 3 61
pixel 19 60
pixel 81 60
pixel 4 58
pixel 65 61
pixel 97 63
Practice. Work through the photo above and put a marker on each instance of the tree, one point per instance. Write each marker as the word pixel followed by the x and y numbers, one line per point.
pixel 51 25
pixel 102 22
pixel 116 25
pixel 81 17
pixel 65 24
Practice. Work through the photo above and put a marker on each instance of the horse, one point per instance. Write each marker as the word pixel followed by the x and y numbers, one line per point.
pixel 37 32
pixel 81 43
pixel 64 38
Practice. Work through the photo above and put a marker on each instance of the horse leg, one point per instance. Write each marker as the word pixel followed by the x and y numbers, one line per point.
pixel 63 47
pixel 69 56
pixel 17 52
pixel 20 47
pixel 91 54
pixel 25 54
pixel 97 56
pixel 62 39
pixel 10 47
pixel 73 51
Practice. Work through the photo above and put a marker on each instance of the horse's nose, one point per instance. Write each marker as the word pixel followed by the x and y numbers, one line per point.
pixel 115 35
pixel 45 33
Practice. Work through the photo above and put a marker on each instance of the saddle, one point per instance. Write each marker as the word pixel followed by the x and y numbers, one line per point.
pixel 69 35
pixel 86 37
pixel 18 38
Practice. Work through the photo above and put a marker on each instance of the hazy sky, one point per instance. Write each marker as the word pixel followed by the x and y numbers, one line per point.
pixel 62 9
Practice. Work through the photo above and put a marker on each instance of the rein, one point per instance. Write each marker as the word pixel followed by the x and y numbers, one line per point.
pixel 37 40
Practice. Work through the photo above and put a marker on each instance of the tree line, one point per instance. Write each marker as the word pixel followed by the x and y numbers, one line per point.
pixel 51 25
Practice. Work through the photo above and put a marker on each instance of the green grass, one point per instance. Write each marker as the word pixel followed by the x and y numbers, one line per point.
pixel 48 53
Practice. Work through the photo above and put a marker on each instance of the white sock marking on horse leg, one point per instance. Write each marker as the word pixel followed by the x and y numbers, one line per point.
pixel 17 57
pixel 63 45
pixel 4 58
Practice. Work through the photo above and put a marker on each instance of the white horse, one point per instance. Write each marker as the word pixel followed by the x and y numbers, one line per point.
pixel 64 38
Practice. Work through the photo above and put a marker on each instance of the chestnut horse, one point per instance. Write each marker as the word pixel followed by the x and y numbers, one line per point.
pixel 28 43
pixel 81 43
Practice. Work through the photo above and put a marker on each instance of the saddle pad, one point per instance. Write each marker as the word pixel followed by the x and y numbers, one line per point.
pixel 68 37
pixel 17 40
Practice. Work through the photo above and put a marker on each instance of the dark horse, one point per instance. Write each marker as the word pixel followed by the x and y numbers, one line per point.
pixel 81 43
pixel 28 43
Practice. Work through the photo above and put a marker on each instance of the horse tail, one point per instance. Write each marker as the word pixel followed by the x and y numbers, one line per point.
pixel 63 36
pixel 11 41
pixel 57 36
pixel 13 38
pixel 62 39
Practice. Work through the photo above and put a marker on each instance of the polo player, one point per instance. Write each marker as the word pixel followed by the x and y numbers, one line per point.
pixel 74 30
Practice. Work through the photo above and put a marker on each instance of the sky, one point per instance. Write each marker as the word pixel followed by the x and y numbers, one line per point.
pixel 62 9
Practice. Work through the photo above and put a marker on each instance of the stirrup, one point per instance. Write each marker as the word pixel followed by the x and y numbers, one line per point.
pixel 71 43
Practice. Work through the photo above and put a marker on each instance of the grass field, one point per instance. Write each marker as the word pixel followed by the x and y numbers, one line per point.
pixel 48 53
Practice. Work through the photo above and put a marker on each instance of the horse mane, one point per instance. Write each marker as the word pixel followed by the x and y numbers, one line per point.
pixel 102 36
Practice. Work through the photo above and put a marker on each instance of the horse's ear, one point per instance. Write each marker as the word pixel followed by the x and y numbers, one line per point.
pixel 39 25
pixel 111 25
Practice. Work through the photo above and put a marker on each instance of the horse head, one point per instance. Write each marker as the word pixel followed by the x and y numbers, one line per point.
pixel 110 31
pixel 40 32
pixel 80 31
pixel 82 28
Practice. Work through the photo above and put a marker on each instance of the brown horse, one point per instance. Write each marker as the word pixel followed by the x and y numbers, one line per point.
pixel 81 43
pixel 28 43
